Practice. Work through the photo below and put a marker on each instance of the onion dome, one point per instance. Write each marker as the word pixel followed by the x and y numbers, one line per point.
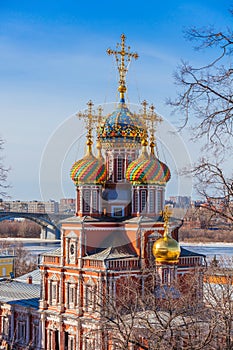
pixel 147 169
pixel 166 249
pixel 121 126
pixel 88 170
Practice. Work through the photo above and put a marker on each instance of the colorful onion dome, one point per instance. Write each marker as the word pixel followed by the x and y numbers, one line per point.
pixel 148 170
pixel 121 125
pixel 88 170
pixel 166 250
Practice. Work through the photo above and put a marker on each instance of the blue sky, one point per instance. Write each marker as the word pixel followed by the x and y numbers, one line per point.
pixel 53 60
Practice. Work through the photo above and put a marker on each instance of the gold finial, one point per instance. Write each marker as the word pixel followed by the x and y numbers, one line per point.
pixel 144 105
pixel 89 118
pixel 123 57
pixel 167 213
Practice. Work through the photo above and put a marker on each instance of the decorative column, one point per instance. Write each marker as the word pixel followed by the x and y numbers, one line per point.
pixel 43 302
pixel 61 304
pixel 66 301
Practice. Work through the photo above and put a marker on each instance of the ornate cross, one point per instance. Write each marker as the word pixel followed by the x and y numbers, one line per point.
pixel 123 57
pixel 90 119
pixel 167 213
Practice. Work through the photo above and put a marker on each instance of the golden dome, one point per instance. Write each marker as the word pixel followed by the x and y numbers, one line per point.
pixel 166 250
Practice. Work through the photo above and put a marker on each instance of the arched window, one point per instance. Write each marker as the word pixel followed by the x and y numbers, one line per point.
pixel 143 200
pixel 94 202
pixel 159 201
pixel 90 297
pixel 120 168
pixel 135 208
pixel 152 201
pixel 86 200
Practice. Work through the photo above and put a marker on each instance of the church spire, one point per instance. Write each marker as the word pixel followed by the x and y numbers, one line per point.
pixel 123 58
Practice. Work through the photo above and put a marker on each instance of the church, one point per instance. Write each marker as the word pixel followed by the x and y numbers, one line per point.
pixel 118 229
pixel 121 228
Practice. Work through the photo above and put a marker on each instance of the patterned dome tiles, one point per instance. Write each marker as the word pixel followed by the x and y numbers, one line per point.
pixel 88 170
pixel 122 123
pixel 148 171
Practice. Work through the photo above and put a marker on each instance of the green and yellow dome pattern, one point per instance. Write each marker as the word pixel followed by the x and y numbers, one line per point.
pixel 148 171
pixel 88 170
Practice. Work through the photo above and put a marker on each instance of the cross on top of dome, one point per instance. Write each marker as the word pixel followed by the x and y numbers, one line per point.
pixel 90 119
pixel 123 58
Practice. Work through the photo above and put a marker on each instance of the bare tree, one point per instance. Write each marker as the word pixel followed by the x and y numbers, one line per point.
pixel 24 261
pixel 218 298
pixel 157 316
pixel 189 314
pixel 206 96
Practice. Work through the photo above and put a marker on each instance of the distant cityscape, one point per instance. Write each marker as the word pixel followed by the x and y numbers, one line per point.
pixel 67 205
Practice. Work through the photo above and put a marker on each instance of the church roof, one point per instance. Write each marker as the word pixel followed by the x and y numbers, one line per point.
pixel 111 253
pixel 35 275
pixel 188 253
pixel 19 293
pixel 55 252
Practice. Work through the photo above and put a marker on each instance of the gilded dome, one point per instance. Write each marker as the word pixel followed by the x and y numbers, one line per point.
pixel 121 125
pixel 166 250
pixel 148 169
pixel 88 170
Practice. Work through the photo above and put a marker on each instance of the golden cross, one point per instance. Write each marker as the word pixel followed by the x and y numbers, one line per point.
pixel 121 54
pixel 144 105
pixel 90 118
pixel 167 213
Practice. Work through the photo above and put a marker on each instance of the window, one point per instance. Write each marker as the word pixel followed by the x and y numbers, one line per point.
pixel 110 168
pixel 94 202
pixel 21 331
pixel 71 295
pixel 90 297
pixel 159 201
pixel 86 200
pixel 118 211
pixel 152 201
pixel 135 201
pixel 119 168
pixel 35 335
pixel 54 292
pixel 165 276
pixel 143 200
pixel 71 345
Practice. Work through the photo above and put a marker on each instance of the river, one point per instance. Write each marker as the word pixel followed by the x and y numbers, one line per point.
pixel 37 247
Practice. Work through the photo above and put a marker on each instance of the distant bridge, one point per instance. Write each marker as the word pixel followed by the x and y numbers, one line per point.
pixel 50 223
